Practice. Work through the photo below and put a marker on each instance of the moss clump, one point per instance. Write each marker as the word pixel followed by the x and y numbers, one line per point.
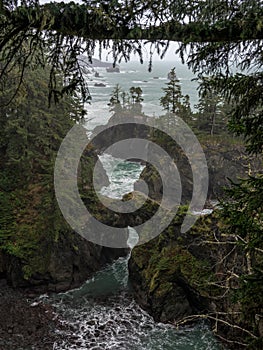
pixel 175 262
pixel 172 257
pixel 166 259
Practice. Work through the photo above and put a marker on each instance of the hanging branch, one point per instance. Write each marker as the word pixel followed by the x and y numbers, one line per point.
pixel 126 26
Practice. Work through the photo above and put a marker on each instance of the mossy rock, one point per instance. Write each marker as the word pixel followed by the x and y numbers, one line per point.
pixel 176 267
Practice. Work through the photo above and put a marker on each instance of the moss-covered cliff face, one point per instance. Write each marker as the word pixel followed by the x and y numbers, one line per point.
pixel 37 247
pixel 168 277
pixel 226 159
pixel 181 278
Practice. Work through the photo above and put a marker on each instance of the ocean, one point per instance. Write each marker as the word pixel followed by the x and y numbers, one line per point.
pixel 136 74
pixel 103 314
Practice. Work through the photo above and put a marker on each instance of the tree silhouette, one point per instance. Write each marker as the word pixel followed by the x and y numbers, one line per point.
pixel 173 100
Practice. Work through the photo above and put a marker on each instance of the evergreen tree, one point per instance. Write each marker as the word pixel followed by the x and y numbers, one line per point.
pixel 115 99
pixel 211 33
pixel 212 113
pixel 122 101
pixel 136 94
pixel 30 136
pixel 208 32
pixel 136 97
pixel 171 101
pixel 125 98
pixel 174 101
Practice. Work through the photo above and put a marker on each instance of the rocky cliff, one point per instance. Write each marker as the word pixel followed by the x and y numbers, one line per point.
pixel 226 160
pixel 39 249
pixel 182 278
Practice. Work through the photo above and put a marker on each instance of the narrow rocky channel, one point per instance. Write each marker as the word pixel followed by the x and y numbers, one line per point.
pixel 102 314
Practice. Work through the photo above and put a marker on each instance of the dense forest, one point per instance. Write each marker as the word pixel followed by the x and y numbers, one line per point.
pixel 42 94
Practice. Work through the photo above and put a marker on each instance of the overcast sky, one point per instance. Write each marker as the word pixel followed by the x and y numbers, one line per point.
pixel 170 55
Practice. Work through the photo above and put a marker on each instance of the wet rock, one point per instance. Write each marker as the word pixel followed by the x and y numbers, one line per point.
pixel 23 326
pixel 176 276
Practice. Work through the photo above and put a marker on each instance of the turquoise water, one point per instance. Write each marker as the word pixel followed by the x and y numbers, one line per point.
pixel 122 175
pixel 102 314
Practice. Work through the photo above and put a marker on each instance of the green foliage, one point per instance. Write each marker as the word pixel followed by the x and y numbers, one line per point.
pixel 30 137
pixel 174 102
pixel 167 259
pixel 136 94
pixel 171 101
pixel 213 34
pixel 247 114
pixel 243 94
pixel 122 101
pixel 212 114
pixel 244 215
pixel 115 100
pixel 208 31
pixel 245 210
pixel 250 295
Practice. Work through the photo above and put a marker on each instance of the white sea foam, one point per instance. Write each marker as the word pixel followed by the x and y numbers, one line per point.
pixel 122 175
pixel 102 314
pixel 139 81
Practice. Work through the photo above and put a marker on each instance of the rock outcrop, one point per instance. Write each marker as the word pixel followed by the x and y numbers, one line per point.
pixel 26 324
pixel 37 246
pixel 71 261
pixel 39 250
pixel 181 278
pixel 226 161
pixel 121 126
